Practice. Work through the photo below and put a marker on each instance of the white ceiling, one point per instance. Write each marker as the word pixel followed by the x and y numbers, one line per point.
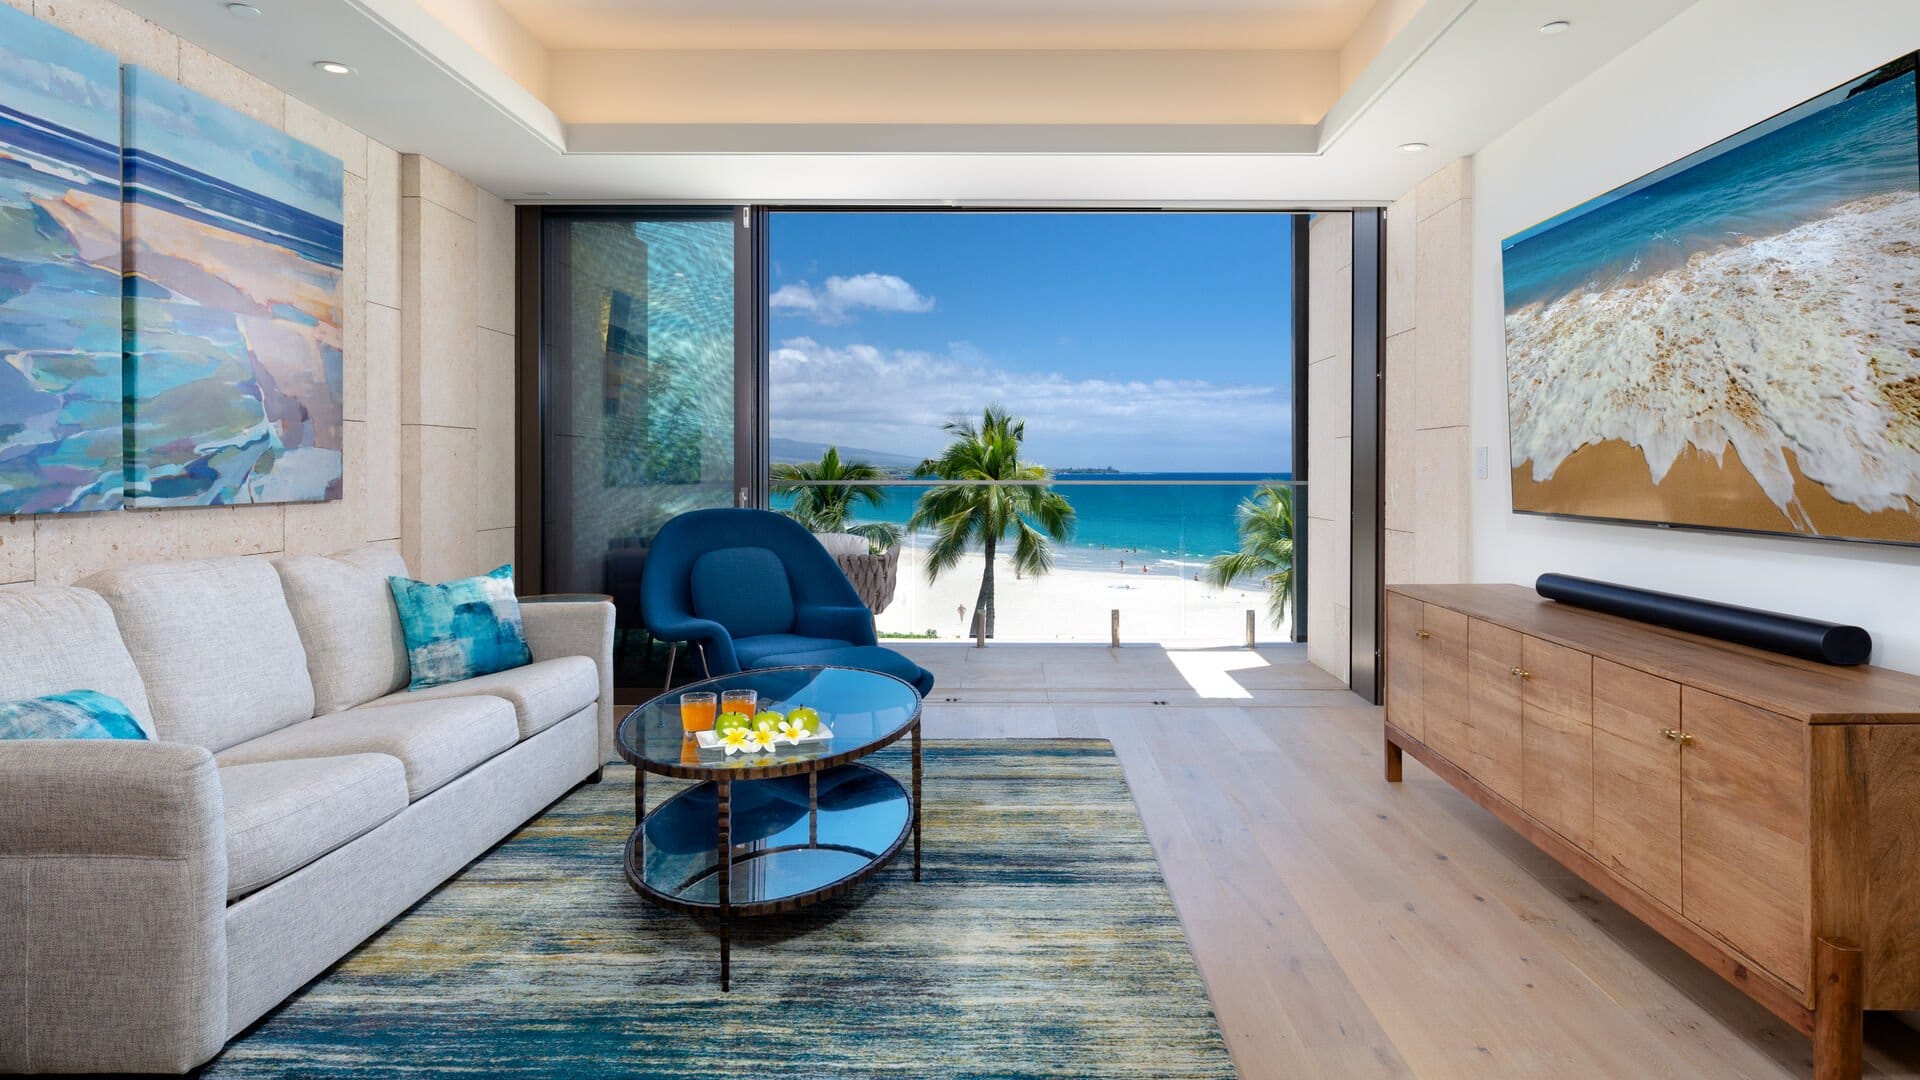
pixel 940 24
pixel 1458 74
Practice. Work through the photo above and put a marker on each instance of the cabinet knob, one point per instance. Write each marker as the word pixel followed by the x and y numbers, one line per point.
pixel 1669 733
pixel 1520 673
pixel 1421 634
pixel 1684 739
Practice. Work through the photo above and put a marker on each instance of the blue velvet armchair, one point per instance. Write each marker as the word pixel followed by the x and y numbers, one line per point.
pixel 752 589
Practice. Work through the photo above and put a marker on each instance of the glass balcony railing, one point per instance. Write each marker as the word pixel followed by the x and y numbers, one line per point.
pixel 1140 563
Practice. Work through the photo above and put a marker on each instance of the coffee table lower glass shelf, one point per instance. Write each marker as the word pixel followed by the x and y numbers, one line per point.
pixel 766 833
pixel 796 840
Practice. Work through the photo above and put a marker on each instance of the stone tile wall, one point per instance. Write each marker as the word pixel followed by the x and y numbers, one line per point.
pixel 1330 442
pixel 1428 458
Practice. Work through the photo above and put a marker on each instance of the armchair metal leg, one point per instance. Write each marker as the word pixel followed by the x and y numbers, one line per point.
pixel 673 654
pixel 705 671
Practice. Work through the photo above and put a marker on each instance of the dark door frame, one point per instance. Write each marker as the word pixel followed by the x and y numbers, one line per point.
pixel 751 374
pixel 533 389
pixel 1369 403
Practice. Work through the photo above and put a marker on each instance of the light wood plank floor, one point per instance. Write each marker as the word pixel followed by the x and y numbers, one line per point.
pixel 1347 927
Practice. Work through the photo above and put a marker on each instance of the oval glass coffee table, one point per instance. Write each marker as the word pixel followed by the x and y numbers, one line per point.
pixel 770 832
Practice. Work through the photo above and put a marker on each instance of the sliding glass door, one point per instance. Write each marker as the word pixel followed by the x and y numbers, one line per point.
pixel 640 379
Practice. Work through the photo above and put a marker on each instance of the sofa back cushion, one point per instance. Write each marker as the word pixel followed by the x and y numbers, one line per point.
pixel 744 589
pixel 216 645
pixel 56 640
pixel 344 612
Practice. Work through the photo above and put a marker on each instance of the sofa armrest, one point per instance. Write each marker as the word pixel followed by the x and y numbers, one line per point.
pixel 843 623
pixel 113 903
pixel 577 628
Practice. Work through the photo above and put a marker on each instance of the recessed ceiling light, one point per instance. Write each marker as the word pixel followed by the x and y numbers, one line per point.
pixel 333 67
pixel 1413 147
pixel 243 11
pixel 1557 26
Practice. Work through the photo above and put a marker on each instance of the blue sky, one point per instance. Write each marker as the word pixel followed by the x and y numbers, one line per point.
pixel 1147 342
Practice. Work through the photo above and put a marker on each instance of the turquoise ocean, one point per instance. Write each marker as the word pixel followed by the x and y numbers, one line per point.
pixel 1175 518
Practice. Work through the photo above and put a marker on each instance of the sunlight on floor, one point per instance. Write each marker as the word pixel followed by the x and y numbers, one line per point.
pixel 1211 673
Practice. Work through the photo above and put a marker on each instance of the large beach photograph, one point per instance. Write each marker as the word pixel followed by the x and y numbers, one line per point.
pixel 60 434
pixel 234 251
pixel 1733 341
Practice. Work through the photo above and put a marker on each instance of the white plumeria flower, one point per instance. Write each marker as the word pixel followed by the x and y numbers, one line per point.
pixel 793 732
pixel 736 740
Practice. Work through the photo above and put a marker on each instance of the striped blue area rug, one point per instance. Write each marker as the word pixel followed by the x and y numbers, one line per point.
pixel 1041 942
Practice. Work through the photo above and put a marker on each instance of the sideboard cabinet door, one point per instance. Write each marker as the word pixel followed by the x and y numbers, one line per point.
pixel 1636 778
pixel 1743 830
pixel 1493 706
pixel 1405 647
pixel 1556 720
pixel 1445 681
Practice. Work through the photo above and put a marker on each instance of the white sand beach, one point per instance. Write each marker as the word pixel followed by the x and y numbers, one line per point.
pixel 1162 605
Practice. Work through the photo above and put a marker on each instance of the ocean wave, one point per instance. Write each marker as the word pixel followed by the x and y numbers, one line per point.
pixel 1805 341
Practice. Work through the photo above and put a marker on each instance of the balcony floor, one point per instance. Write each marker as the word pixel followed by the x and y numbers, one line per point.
pixel 1348 927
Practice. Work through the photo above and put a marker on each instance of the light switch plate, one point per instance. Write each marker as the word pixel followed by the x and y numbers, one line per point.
pixel 1480 462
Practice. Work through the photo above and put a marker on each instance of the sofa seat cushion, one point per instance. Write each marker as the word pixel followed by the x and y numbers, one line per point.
pixel 744 589
pixel 542 694
pixel 435 740
pixel 865 657
pixel 753 651
pixel 282 815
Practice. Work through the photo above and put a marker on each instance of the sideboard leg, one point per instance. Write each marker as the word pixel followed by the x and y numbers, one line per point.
pixel 1393 761
pixel 1838 991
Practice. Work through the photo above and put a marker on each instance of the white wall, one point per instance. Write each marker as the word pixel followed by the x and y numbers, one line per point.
pixel 1712 70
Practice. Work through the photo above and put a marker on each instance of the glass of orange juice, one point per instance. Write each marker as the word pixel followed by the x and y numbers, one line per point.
pixel 744 702
pixel 697 711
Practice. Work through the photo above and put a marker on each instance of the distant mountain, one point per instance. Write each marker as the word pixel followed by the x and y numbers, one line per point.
pixel 793 451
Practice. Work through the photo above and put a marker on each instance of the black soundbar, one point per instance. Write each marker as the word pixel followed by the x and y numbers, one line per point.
pixel 1809 639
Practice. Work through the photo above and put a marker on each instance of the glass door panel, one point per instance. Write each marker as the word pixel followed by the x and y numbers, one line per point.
pixel 638 401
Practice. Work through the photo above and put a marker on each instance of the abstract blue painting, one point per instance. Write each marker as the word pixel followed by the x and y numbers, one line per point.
pixel 60 332
pixel 234 252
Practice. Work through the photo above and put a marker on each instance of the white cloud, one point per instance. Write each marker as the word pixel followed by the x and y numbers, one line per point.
pixel 835 301
pixel 896 399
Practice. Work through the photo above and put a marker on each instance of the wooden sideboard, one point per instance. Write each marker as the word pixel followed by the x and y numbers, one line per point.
pixel 1761 812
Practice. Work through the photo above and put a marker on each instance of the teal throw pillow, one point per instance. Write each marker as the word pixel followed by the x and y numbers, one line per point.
pixel 461 629
pixel 75 714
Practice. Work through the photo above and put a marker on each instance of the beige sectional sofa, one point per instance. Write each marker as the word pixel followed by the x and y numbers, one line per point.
pixel 158 897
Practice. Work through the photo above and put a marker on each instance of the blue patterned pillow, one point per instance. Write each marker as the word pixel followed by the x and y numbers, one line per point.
pixel 76 714
pixel 461 629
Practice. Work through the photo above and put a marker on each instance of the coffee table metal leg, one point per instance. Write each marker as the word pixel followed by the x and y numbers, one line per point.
pixel 639 795
pixel 916 800
pixel 813 809
pixel 726 882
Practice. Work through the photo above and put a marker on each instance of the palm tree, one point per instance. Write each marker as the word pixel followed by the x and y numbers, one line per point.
pixel 1266 548
pixel 825 491
pixel 962 514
